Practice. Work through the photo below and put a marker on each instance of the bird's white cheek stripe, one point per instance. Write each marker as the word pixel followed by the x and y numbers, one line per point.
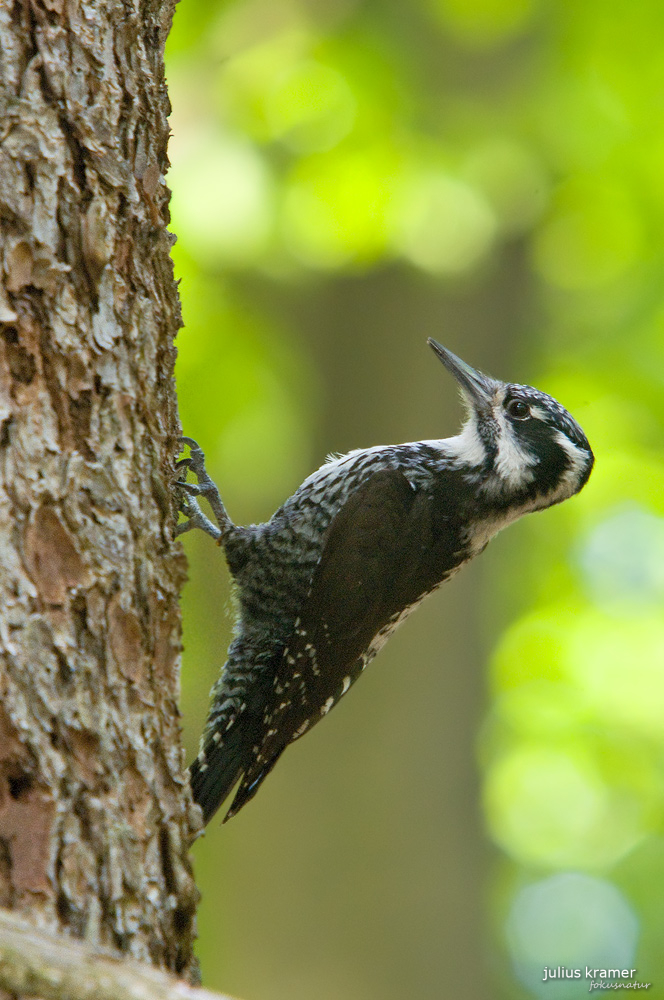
pixel 514 466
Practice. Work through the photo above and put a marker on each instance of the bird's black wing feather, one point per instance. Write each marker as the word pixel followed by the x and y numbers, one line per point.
pixel 383 551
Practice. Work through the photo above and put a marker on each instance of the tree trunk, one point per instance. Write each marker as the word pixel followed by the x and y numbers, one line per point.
pixel 95 817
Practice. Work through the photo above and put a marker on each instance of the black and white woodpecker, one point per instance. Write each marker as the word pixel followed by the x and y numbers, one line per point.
pixel 323 584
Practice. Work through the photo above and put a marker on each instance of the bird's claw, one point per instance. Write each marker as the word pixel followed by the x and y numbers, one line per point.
pixel 190 492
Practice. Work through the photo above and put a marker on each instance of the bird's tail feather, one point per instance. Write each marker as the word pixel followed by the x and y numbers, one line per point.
pixel 253 778
pixel 216 769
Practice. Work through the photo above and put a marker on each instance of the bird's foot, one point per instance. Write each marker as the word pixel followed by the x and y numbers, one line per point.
pixel 191 492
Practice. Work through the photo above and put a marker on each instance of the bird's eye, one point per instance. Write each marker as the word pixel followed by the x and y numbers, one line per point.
pixel 518 408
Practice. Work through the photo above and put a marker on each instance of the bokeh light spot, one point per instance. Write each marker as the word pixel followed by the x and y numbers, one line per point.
pixel 546 805
pixel 511 179
pixel 618 665
pixel 571 920
pixel 222 197
pixel 442 224
pixel 334 210
pixel 622 560
pixel 310 107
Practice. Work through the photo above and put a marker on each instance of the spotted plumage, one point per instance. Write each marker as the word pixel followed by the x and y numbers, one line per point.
pixel 324 583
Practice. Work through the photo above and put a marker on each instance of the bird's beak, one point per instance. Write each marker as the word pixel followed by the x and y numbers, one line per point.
pixel 479 388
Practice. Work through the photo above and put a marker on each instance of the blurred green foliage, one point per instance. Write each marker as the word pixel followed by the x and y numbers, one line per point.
pixel 347 178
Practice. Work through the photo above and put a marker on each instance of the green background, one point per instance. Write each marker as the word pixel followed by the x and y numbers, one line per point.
pixel 348 179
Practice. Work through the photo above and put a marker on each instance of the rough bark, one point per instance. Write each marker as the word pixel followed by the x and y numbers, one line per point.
pixel 95 819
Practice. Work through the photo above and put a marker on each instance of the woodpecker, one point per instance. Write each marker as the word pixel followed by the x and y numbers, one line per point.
pixel 323 584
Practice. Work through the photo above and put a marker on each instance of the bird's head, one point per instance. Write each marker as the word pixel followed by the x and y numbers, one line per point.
pixel 524 447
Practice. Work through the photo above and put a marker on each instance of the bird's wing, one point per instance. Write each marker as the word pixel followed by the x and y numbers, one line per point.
pixel 379 556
